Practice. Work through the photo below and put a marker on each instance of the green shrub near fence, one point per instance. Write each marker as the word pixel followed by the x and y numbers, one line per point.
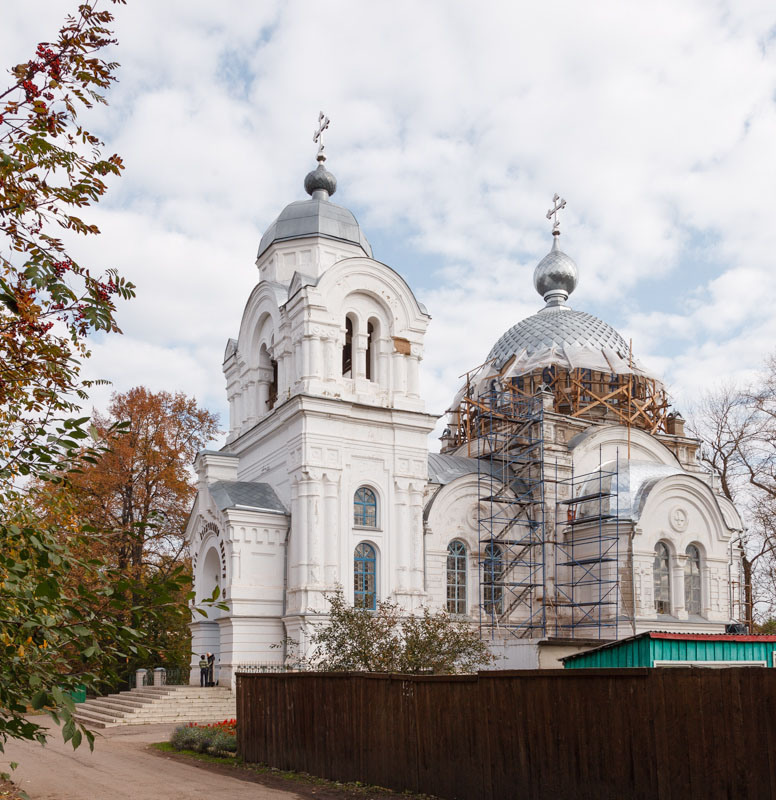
pixel 218 739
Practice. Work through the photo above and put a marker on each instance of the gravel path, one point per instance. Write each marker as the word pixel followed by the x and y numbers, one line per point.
pixel 120 768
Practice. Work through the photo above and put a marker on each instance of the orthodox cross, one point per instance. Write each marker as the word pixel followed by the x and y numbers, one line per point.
pixel 323 123
pixel 557 204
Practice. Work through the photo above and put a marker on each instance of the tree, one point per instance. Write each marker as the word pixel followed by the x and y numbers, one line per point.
pixel 58 603
pixel 738 429
pixel 138 495
pixel 387 640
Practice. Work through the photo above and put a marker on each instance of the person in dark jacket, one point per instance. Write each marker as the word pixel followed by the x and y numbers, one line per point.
pixel 204 669
pixel 211 660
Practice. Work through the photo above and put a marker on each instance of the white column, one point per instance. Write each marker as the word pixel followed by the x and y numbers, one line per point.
pixel 315 355
pixel 300 530
pixel 359 355
pixel 383 362
pixel 706 604
pixel 399 373
pixel 677 586
pixel 331 369
pixel 294 376
pixel 413 376
pixel 331 543
pixel 402 536
pixel 262 400
pixel 251 410
pixel 416 528
pixel 314 531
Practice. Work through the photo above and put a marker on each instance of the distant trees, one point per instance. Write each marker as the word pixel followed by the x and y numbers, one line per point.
pixel 387 640
pixel 738 429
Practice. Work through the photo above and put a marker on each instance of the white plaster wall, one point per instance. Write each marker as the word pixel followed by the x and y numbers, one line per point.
pixel 453 516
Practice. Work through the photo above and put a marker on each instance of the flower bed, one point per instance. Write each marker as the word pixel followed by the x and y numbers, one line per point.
pixel 216 738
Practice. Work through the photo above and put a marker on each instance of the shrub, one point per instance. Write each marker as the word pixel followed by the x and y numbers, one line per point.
pixel 218 738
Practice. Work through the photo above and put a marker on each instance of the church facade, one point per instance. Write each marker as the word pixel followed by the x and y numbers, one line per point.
pixel 567 506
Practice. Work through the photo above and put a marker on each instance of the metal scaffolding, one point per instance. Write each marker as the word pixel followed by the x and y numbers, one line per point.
pixel 587 554
pixel 510 451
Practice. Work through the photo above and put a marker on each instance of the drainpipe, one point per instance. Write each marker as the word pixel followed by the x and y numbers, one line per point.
pixel 285 591
pixel 426 532
pixel 633 581
pixel 731 600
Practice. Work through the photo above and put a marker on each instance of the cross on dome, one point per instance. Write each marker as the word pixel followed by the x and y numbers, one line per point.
pixel 323 124
pixel 320 184
pixel 555 277
pixel 557 204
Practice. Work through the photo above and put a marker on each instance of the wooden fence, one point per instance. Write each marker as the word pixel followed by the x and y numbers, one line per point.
pixel 629 733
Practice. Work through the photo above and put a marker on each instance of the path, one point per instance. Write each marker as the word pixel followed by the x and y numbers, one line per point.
pixel 120 768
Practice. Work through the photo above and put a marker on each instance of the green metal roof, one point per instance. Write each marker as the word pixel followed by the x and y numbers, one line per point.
pixel 658 648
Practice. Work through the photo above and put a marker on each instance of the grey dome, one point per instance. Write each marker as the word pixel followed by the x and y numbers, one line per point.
pixel 553 328
pixel 318 179
pixel 315 217
pixel 555 276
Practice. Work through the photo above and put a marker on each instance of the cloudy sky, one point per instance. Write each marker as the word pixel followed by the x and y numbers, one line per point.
pixel 453 123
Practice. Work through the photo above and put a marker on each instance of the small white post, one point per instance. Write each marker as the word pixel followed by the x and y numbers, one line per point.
pixel 140 678
pixel 160 676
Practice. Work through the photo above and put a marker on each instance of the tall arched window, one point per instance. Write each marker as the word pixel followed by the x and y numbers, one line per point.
pixel 365 508
pixel 365 576
pixel 370 352
pixel 347 349
pixel 456 578
pixel 661 575
pixel 492 576
pixel 272 396
pixel 692 580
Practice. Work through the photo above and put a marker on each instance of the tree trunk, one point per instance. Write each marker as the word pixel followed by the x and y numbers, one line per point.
pixel 746 565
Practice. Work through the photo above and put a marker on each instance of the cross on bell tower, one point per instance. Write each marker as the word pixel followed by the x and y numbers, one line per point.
pixel 323 124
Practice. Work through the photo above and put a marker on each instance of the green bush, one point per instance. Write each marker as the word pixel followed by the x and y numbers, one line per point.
pixel 212 739
pixel 222 742
pixel 191 737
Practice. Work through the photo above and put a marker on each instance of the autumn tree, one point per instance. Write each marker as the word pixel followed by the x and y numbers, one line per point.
pixel 738 429
pixel 51 170
pixel 388 640
pixel 138 495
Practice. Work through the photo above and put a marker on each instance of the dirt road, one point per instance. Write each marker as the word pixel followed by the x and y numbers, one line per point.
pixel 120 768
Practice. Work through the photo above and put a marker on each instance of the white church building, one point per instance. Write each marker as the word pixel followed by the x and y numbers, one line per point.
pixel 566 506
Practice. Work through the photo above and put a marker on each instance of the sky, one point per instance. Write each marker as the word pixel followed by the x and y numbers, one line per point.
pixel 452 125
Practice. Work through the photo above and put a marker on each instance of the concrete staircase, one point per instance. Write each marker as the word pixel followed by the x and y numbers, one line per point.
pixel 153 704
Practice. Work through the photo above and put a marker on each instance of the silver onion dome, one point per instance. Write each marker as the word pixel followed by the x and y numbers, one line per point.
pixel 555 276
pixel 320 180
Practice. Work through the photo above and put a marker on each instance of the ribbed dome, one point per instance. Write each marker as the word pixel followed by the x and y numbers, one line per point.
pixel 553 328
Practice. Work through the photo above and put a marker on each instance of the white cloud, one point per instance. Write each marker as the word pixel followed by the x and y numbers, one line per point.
pixel 452 125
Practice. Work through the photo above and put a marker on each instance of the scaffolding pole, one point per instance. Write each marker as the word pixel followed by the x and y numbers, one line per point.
pixel 511 512
pixel 587 555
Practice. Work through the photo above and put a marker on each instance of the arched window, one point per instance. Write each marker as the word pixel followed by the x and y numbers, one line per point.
pixel 456 578
pixel 370 352
pixel 692 580
pixel 661 575
pixel 365 508
pixel 365 576
pixel 492 577
pixel 272 397
pixel 347 349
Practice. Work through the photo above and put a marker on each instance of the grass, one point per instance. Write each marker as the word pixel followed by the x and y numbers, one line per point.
pixel 297 777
